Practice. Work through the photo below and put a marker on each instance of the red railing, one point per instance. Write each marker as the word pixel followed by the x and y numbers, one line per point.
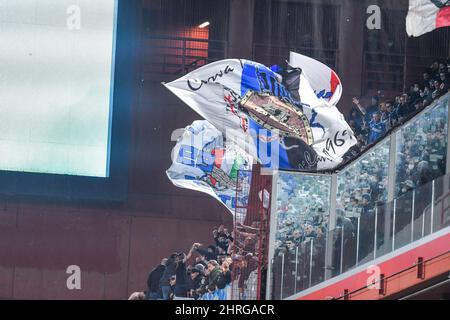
pixel 251 231
pixel 393 284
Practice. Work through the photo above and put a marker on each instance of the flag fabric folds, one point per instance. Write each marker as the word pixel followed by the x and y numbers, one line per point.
pixel 426 15
pixel 323 80
pixel 284 120
pixel 281 124
pixel 202 161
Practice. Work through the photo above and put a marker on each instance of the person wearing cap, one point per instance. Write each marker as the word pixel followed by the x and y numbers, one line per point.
pixel 201 268
pixel 366 198
pixel 194 281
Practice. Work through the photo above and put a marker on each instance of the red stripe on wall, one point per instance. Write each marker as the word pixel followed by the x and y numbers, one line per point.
pixel 443 18
pixel 356 281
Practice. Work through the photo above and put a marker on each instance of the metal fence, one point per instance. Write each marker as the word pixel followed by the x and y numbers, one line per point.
pixel 274 54
pixel 383 71
pixel 251 229
pixel 179 55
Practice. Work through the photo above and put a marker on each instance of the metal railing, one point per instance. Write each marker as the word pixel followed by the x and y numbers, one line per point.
pixel 383 281
pixel 251 230
pixel 388 72
pixel 278 54
pixel 383 71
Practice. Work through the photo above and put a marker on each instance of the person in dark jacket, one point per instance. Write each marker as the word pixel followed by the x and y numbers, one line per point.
pixel 222 238
pixel 194 282
pixel 204 282
pixel 171 267
pixel 181 284
pixel 154 290
pixel 172 284
pixel 215 276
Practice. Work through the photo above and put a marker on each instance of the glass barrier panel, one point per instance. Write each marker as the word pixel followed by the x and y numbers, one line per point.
pixel 289 272
pixel 441 196
pixel 366 235
pixel 422 208
pixel 366 226
pixel 384 229
pixel 335 236
pixel 349 243
pixel 319 245
pixel 446 203
pixel 364 183
pixel 422 149
pixel 277 276
pixel 307 263
pixel 403 219
pixel 302 210
pixel 361 186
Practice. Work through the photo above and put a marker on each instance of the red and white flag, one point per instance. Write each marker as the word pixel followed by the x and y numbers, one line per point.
pixel 426 15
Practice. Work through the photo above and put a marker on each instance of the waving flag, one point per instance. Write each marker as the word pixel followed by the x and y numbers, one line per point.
pixel 323 80
pixel 426 15
pixel 202 161
pixel 278 120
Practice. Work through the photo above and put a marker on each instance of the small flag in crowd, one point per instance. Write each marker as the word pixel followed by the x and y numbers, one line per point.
pixel 426 15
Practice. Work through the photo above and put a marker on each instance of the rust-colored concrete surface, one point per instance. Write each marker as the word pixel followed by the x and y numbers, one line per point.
pixel 114 250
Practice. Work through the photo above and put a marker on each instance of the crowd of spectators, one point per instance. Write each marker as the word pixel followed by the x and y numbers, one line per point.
pixel 422 148
pixel 302 205
pixel 421 145
pixel 372 122
pixel 302 210
pixel 300 240
pixel 364 184
pixel 206 273
pixel 420 156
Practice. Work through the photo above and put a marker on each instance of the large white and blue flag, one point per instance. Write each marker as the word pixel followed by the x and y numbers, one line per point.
pixel 278 118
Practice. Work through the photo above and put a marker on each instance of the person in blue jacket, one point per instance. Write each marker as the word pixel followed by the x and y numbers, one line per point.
pixel 377 128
